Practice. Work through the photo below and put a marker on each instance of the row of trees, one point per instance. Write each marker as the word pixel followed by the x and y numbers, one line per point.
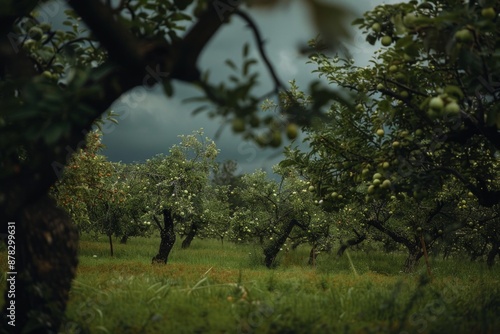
pixel 187 193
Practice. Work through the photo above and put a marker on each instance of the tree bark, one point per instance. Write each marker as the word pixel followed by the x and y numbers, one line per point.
pixel 490 261
pixel 271 251
pixel 190 236
pixel 110 237
pixel 312 256
pixel 414 255
pixel 46 244
pixel 167 236
pixel 124 239
pixel 350 243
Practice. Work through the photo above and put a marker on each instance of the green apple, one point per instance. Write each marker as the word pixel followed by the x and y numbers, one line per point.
pixel 380 132
pixel 376 27
pixel 45 26
pixel 436 103
pixel 464 35
pixel 488 13
pixel 380 86
pixel 276 139
pixel 261 140
pixel 396 144
pixel 386 165
pixel 404 94
pixel 292 131
pixel 400 77
pixel 386 40
pixel 376 182
pixel 311 188
pixel 419 132
pixel 408 58
pixel 47 74
pixel 377 176
pixel 371 189
pixel 452 108
pixel 409 20
pixel 335 194
pixel 238 124
pixel 35 33
pixel 386 184
pixel 29 43
pixel 393 68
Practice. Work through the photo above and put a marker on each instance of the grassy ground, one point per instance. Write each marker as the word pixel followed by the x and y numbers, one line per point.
pixel 213 289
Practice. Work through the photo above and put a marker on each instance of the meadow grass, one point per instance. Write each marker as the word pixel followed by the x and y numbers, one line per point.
pixel 214 288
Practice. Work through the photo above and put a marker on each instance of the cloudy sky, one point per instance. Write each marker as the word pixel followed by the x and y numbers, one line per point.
pixel 149 122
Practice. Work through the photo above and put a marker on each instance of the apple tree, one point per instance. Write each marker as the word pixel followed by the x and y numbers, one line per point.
pixel 424 111
pixel 174 185
pixel 274 210
pixel 98 195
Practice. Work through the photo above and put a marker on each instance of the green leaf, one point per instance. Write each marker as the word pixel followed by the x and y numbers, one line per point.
pixel 199 110
pixel 180 17
pixel 231 64
pixel 286 163
pixel 247 66
pixel 245 50
pixel 358 21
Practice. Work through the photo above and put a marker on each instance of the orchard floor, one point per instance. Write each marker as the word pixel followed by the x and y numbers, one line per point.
pixel 210 288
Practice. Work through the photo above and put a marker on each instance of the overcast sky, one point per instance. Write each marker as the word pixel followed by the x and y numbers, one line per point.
pixel 150 122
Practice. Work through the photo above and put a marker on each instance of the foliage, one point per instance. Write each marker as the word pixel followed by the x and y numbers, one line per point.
pixel 422 133
pixel 100 196
pixel 180 181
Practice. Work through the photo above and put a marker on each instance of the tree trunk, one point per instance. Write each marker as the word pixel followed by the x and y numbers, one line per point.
pixel 490 261
pixel 124 239
pixel 190 236
pixel 46 244
pixel 297 244
pixel 271 251
pixel 414 255
pixel 110 244
pixel 167 236
pixel 350 243
pixel 312 256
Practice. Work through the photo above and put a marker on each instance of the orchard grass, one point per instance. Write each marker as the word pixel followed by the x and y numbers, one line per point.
pixel 215 288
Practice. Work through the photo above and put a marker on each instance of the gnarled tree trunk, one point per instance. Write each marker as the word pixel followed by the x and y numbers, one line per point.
pixel 190 236
pixel 46 244
pixel 490 261
pixel 271 251
pixel 312 256
pixel 414 255
pixel 124 239
pixel 351 242
pixel 167 236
